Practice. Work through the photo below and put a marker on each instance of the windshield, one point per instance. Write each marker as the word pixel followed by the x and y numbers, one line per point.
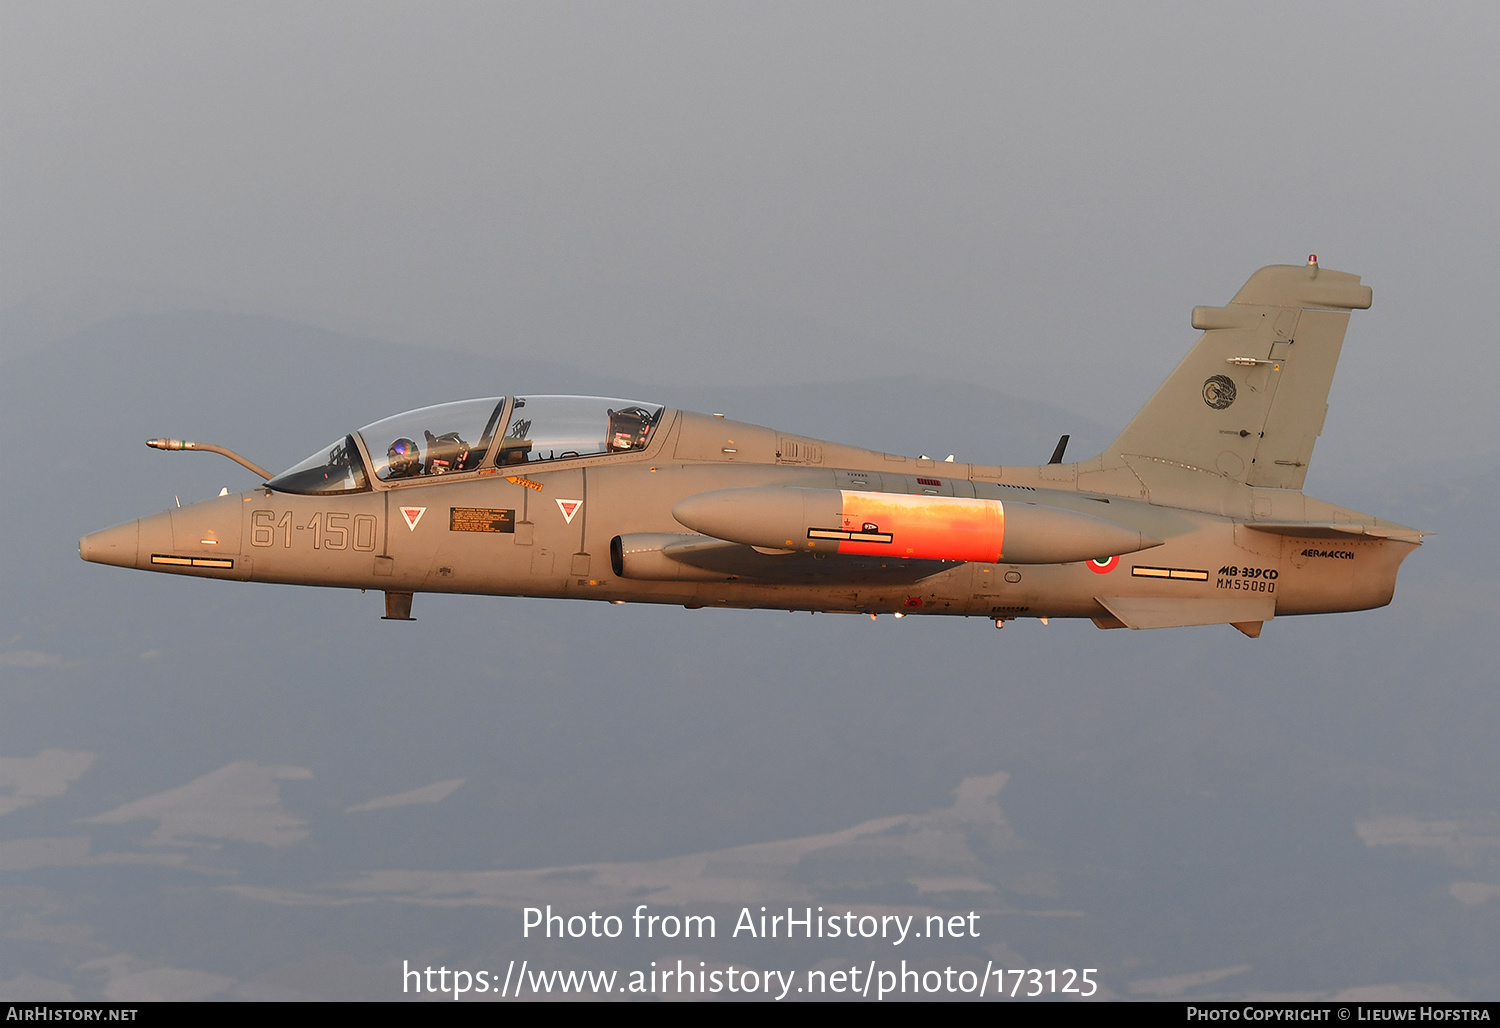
pixel 561 427
pixel 333 469
pixel 441 440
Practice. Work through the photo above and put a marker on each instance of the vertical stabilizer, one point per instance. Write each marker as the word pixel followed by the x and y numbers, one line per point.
pixel 1247 403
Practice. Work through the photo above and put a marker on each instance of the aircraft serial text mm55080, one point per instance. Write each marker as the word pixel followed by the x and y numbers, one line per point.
pixel 1195 515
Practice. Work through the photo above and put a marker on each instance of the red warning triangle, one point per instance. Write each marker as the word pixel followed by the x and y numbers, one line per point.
pixel 569 508
pixel 412 516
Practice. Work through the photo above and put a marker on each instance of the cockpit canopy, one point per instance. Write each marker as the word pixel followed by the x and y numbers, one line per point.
pixel 443 440
pixel 462 437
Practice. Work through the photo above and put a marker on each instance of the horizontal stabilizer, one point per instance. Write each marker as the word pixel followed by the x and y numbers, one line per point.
pixel 1337 529
pixel 1179 612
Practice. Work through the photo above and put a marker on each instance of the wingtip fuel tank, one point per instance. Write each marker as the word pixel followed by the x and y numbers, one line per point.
pixel 905 526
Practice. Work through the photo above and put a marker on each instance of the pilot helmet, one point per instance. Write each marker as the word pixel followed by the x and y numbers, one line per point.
pixel 403 456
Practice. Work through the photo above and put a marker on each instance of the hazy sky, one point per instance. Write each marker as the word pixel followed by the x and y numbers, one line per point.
pixel 1029 196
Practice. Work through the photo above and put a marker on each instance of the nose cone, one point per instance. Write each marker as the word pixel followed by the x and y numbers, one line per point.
pixel 118 546
pixel 130 545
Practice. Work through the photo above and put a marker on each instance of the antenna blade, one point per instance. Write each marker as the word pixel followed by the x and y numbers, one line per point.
pixel 1062 444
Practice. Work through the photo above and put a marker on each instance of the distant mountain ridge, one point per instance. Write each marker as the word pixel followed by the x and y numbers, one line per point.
pixel 201 372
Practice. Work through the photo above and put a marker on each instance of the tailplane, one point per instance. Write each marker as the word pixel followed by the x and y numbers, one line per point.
pixel 1248 402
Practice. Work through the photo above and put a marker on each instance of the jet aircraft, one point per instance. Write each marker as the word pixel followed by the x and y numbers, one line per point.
pixel 1195 515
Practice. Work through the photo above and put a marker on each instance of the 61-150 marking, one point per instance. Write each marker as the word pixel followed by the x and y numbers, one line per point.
pixel 330 531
